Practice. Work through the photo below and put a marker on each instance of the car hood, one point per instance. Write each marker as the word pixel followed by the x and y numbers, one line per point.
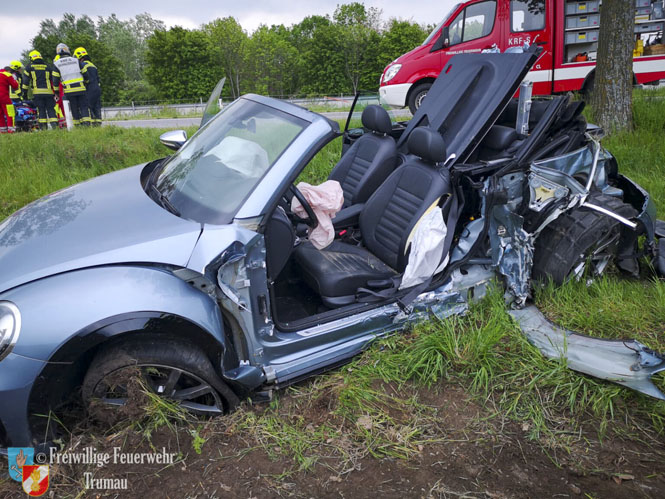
pixel 468 97
pixel 106 220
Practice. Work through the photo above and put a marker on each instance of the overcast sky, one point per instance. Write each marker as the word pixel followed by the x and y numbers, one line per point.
pixel 19 19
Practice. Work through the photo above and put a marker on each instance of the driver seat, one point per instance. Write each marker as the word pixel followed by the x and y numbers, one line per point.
pixel 386 223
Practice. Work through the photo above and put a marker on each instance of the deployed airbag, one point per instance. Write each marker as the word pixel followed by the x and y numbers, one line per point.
pixel 427 241
pixel 326 200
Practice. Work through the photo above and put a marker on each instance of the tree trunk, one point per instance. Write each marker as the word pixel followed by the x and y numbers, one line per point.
pixel 612 94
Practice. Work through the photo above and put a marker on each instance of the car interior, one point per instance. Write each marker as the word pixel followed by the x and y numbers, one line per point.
pixel 386 192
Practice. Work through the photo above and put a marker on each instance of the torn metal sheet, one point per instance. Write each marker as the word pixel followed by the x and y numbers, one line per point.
pixel 626 362
pixel 512 246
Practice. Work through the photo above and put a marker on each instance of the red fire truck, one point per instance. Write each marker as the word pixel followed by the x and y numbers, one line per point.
pixel 567 30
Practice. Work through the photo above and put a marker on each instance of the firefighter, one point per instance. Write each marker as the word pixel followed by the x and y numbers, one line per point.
pixel 68 71
pixel 7 82
pixel 16 95
pixel 38 75
pixel 93 89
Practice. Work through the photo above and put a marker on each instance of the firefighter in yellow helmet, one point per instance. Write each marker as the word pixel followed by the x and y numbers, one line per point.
pixel 93 89
pixel 16 68
pixel 38 75
pixel 68 71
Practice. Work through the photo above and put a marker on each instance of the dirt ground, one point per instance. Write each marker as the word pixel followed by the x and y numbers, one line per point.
pixel 468 455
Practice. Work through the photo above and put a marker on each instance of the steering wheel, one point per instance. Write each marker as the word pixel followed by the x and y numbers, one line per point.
pixel 311 219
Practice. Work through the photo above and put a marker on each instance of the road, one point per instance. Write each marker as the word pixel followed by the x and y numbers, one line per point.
pixel 186 122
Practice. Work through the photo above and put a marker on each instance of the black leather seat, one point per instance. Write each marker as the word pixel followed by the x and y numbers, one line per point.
pixel 500 142
pixel 386 222
pixel 369 161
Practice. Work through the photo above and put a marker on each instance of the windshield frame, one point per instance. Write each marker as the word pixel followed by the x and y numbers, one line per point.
pixel 446 18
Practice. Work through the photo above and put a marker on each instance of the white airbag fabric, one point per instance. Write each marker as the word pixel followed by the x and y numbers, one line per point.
pixel 244 156
pixel 427 241
pixel 326 200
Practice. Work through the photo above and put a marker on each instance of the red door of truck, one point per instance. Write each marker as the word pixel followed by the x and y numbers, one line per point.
pixel 532 22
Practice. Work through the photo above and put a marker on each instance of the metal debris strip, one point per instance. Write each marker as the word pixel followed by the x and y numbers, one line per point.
pixel 626 362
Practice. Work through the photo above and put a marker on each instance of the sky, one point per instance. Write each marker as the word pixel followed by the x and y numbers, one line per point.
pixel 19 20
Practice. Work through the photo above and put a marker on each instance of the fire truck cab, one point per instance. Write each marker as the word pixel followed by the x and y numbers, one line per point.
pixel 566 30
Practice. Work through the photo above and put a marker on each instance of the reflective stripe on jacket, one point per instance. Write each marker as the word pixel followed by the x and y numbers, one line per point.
pixel 38 75
pixel 68 71
pixel 90 74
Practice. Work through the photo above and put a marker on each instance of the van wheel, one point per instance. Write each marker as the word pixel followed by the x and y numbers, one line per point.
pixel 417 96
pixel 123 379
pixel 580 244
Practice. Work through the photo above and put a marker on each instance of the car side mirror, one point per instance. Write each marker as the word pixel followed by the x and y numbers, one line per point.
pixel 442 42
pixel 173 139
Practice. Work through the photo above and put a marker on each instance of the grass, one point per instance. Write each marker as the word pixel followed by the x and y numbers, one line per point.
pixel 373 404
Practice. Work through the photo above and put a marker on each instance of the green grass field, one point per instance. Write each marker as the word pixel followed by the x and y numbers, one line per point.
pixel 483 351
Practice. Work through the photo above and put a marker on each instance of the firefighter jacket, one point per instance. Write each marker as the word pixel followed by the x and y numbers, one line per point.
pixel 15 93
pixel 90 74
pixel 38 76
pixel 68 71
pixel 7 82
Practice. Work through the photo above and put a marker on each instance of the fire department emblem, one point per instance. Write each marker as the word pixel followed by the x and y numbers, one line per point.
pixel 35 479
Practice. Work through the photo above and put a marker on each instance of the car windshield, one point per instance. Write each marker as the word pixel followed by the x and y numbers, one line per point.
pixel 214 172
pixel 438 26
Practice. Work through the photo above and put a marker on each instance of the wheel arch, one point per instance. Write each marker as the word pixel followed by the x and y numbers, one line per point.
pixel 415 85
pixel 60 378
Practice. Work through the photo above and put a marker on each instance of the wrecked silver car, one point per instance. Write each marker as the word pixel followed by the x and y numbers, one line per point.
pixel 196 270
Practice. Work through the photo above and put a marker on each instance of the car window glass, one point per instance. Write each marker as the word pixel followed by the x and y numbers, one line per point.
pixel 209 178
pixel 479 20
pixel 476 21
pixel 527 15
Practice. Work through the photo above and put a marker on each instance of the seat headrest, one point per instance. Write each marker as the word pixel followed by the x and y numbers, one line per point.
pixel 500 137
pixel 427 144
pixel 376 119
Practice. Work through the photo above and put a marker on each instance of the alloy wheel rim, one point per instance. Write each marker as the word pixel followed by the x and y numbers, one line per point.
pixel 187 389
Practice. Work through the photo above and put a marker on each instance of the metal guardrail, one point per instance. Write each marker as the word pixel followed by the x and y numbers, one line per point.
pixel 193 108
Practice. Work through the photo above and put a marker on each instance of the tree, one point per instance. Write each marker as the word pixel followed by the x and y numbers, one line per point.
pixel 358 29
pixel 611 98
pixel 181 64
pixel 398 38
pixel 274 61
pixel 230 45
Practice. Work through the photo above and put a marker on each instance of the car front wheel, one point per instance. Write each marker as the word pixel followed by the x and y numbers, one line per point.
pixel 122 378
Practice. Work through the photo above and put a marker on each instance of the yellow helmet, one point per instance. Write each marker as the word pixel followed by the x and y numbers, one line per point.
pixel 16 65
pixel 80 52
pixel 34 55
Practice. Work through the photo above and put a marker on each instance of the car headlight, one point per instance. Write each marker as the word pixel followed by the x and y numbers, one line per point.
pixel 391 72
pixel 10 327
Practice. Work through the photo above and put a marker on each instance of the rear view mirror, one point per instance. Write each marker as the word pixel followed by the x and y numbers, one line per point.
pixel 173 139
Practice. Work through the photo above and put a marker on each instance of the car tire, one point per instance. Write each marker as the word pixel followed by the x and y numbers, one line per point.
pixel 580 243
pixel 169 368
pixel 417 95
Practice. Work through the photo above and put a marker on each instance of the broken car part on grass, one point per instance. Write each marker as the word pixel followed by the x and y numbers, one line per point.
pixel 193 267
